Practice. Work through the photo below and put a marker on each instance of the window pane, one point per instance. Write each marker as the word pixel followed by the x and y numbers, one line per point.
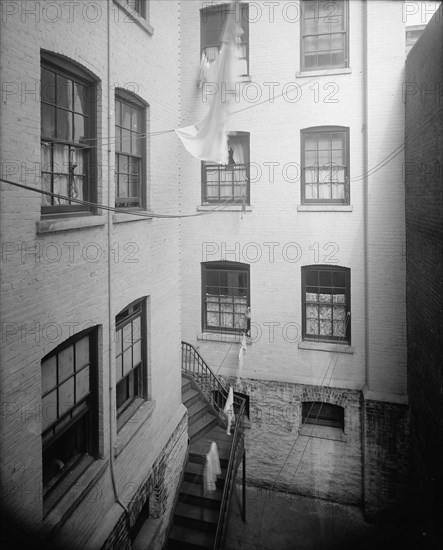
pixel 82 352
pixel 119 367
pixel 46 186
pixel 47 121
pixel 46 155
pixel 325 278
pixel 66 363
pixel 126 116
pixel 311 327
pixel 121 393
pixel 64 125
pixel 49 409
pixel 49 373
pixel 66 396
pixel 127 361
pixel 118 113
pixel 137 353
pixel 82 384
pixel 48 86
pixel 126 141
pixel 79 98
pixel 64 92
pixel 79 128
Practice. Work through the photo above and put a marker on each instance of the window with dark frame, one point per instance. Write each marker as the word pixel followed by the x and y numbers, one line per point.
pixel 68 135
pixel 130 342
pixel 139 6
pixel 323 414
pixel 325 165
pixel 212 20
pixel 225 297
pixel 130 151
pixel 69 429
pixel 228 182
pixel 324 34
pixel 326 304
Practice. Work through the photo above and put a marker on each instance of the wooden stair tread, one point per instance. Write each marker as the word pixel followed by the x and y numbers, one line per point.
pixel 202 539
pixel 192 489
pixel 208 515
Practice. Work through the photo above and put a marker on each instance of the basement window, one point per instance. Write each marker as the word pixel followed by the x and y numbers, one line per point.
pixel 323 414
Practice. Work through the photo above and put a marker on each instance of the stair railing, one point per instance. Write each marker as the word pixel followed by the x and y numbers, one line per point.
pixel 216 393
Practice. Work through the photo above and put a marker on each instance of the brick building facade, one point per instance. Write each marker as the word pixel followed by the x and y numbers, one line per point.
pixel 424 276
pixel 291 233
pixel 91 443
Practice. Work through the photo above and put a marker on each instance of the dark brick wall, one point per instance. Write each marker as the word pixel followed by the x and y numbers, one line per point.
pixel 424 235
pixel 385 458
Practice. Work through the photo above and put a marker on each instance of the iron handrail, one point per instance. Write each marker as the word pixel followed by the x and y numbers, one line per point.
pixel 193 364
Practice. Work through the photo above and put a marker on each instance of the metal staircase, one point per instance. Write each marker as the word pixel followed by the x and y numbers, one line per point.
pixel 200 519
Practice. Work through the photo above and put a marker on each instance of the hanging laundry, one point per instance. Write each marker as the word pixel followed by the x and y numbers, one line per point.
pixel 241 356
pixel 208 139
pixel 212 469
pixel 229 410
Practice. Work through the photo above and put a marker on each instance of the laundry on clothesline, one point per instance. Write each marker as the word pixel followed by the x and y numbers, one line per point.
pixel 229 410
pixel 212 469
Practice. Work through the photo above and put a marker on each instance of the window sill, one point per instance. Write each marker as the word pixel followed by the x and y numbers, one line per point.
pixel 325 208
pixel 222 337
pixel 323 432
pixel 223 208
pixel 324 72
pixel 73 495
pixel 134 16
pixel 326 346
pixel 123 217
pixel 51 225
pixel 142 412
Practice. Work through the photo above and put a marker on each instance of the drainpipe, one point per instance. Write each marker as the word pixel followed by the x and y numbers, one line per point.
pixel 365 230
pixel 110 318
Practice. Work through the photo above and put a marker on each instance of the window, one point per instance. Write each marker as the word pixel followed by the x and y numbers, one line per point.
pixel 130 151
pixel 323 414
pixel 139 6
pixel 325 165
pixel 326 304
pixel 225 297
pixel 324 35
pixel 228 182
pixel 130 330
pixel 67 136
pixel 212 20
pixel 69 407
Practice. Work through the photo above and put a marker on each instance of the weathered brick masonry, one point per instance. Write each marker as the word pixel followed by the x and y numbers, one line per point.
pixel 424 271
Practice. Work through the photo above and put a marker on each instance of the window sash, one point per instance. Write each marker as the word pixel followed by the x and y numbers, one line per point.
pixel 130 145
pixel 228 182
pixel 67 113
pixel 325 179
pixel 130 343
pixel 225 304
pixel 212 19
pixel 326 307
pixel 318 31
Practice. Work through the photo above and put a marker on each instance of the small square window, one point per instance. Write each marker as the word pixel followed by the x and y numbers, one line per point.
pixel 323 414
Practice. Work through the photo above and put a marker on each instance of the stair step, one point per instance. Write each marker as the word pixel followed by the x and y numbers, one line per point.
pixel 199 410
pixel 186 538
pixel 197 517
pixel 192 493
pixel 186 383
pixel 200 427
pixel 194 473
pixel 190 397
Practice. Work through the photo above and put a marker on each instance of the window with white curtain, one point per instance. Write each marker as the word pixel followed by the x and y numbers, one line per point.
pixel 325 165
pixel 228 182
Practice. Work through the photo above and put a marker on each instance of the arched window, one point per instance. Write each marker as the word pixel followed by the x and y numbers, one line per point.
pixel 326 302
pixel 225 297
pixel 323 414
pixel 68 135
pixel 69 408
